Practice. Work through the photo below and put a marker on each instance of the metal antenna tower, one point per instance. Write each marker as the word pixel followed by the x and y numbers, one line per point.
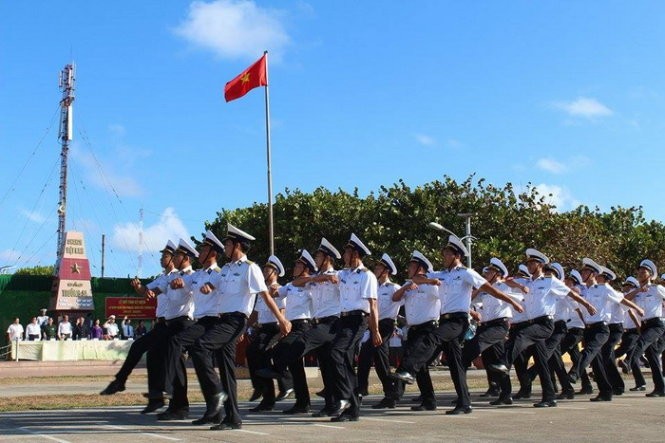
pixel 65 136
pixel 140 264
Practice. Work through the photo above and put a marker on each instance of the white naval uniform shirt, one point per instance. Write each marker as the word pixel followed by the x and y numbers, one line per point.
pixel 542 297
pixel 421 304
pixel 15 331
pixel 518 295
pixel 387 307
pixel 265 315
pixel 181 302
pixel 325 297
pixel 492 307
pixel 651 301
pixel 298 301
pixel 356 287
pixel 33 329
pixel 161 283
pixel 574 319
pixel 628 321
pixel 42 320
pixel 602 297
pixel 65 328
pixel 617 312
pixel 237 285
pixel 455 291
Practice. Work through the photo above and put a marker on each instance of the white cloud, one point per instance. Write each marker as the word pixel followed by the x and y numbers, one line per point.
pixel 33 216
pixel 117 130
pixel 425 140
pixel 104 177
pixel 551 165
pixel 234 29
pixel 584 107
pixel 9 256
pixel 169 227
pixel 557 196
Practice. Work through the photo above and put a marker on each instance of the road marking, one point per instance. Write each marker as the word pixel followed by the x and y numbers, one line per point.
pixel 251 432
pixel 389 420
pixel 150 434
pixel 506 410
pixel 47 437
pixel 329 426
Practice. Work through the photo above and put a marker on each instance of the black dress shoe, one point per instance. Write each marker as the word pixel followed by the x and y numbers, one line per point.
pixel 522 395
pixel 417 399
pixel 216 404
pixel 225 426
pixel 325 412
pixel 566 395
pixel 502 401
pixel 600 397
pixel 424 407
pixel 344 417
pixel 256 395
pixel 572 377
pixel 585 391
pixel 545 404
pixel 113 387
pixel 499 368
pixel 297 410
pixel 262 407
pixel 152 406
pixel 284 395
pixel 340 407
pixel 493 391
pixel 624 366
pixel 460 410
pixel 655 394
pixel 205 420
pixel 617 391
pixel 638 388
pixel 405 377
pixel 173 415
pixel 385 403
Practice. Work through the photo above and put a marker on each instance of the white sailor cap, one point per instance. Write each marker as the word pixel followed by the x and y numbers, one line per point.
pixel 184 246
pixel 169 248
pixel 591 265
pixel 649 266
pixel 608 273
pixel 43 310
pixel 355 243
pixel 329 249
pixel 498 265
pixel 418 257
pixel 523 270
pixel 212 240
pixel 485 269
pixel 388 263
pixel 575 275
pixel 558 270
pixel 307 259
pixel 631 281
pixel 534 254
pixel 112 317
pixel 456 245
pixel 274 262
pixel 235 234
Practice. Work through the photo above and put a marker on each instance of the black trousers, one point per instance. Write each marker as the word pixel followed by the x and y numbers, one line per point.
pixel 595 338
pixel 486 337
pixel 449 336
pixel 157 336
pixel 348 332
pixel 608 357
pixel 259 354
pixel 296 367
pixel 570 344
pixel 418 348
pixel 552 349
pixel 379 356
pixel 629 340
pixel 650 344
pixel 535 335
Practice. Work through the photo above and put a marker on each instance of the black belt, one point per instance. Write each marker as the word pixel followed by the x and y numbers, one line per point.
pixel 234 315
pixel 615 327
pixel 495 322
pixel 427 324
pixel 266 325
pixel 560 323
pixel 654 321
pixel 161 319
pixel 597 324
pixel 632 330
pixel 387 320
pixel 541 319
pixel 453 315
pixel 352 313
pixel 328 319
pixel 300 321
pixel 182 317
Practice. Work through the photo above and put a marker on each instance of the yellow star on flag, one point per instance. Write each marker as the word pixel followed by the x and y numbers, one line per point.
pixel 245 78
pixel 76 269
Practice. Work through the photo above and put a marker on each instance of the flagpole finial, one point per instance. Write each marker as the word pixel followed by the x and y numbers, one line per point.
pixel 265 52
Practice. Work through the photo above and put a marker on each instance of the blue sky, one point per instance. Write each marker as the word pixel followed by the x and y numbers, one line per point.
pixel 568 96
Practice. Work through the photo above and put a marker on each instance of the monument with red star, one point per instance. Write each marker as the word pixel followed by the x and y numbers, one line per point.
pixel 71 287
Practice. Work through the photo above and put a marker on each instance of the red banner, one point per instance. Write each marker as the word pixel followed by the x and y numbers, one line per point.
pixel 132 307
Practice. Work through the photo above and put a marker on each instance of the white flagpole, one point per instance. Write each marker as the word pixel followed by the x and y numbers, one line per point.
pixel 271 232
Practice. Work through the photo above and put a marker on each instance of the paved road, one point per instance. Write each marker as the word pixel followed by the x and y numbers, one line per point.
pixel 630 417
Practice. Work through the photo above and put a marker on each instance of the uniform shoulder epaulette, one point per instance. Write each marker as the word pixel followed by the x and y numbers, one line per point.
pixel 249 262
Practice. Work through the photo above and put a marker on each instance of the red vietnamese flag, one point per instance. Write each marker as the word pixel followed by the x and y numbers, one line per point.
pixel 250 78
